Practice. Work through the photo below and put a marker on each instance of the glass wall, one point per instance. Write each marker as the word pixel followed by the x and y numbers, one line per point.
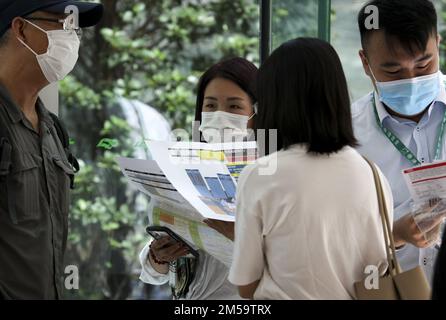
pixel 292 19
pixel 346 40
pixel 301 18
pixel 145 58
pixel 136 78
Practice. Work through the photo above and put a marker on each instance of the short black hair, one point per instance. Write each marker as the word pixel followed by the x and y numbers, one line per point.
pixel 408 22
pixel 303 93
pixel 238 70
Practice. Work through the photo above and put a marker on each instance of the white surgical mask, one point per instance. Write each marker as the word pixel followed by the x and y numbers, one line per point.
pixel 220 126
pixel 409 96
pixel 61 56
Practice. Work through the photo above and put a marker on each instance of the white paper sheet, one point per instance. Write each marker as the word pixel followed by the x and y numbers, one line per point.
pixel 427 186
pixel 427 182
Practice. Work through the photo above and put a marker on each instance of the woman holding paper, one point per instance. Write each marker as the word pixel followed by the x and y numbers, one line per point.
pixel 309 229
pixel 224 111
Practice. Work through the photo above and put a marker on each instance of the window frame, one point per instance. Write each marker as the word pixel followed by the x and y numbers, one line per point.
pixel 324 25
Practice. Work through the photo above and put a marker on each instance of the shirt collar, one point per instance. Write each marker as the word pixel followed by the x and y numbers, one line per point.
pixel 440 100
pixel 382 112
pixel 14 112
pixel 44 114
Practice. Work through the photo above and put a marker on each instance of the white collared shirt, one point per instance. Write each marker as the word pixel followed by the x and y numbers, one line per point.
pixel 420 138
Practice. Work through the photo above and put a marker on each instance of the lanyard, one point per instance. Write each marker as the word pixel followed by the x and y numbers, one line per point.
pixel 400 145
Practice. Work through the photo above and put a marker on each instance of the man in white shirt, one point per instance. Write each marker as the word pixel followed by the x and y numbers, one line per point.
pixel 401 124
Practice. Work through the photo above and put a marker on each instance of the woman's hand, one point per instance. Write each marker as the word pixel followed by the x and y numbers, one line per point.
pixel 223 227
pixel 166 249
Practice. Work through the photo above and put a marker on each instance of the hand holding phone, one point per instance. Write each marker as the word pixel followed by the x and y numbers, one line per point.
pixel 168 246
pixel 167 249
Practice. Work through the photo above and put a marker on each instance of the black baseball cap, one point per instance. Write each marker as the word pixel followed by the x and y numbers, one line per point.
pixel 89 13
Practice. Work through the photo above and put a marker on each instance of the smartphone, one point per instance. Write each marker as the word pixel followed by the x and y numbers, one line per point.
pixel 158 232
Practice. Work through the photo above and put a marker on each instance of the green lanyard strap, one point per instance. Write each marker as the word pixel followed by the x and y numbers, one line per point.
pixel 401 147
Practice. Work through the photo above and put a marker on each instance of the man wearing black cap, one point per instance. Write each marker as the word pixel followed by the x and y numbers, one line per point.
pixel 39 43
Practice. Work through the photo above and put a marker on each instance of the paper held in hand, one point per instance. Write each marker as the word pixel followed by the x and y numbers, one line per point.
pixel 188 182
pixel 427 186
pixel 205 174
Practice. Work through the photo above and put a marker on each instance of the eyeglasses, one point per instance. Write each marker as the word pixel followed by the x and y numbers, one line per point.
pixel 68 23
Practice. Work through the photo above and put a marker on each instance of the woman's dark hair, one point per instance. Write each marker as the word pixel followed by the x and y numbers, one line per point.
pixel 302 92
pixel 238 70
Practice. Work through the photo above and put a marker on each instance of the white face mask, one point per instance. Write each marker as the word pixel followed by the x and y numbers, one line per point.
pixel 220 126
pixel 409 97
pixel 61 56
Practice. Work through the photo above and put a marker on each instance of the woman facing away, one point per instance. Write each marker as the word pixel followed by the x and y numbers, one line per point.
pixel 309 229
pixel 225 110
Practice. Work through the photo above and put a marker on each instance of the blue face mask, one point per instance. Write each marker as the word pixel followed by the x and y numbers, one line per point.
pixel 409 97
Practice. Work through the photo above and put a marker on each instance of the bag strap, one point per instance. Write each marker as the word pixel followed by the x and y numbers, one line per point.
pixel 64 138
pixel 394 266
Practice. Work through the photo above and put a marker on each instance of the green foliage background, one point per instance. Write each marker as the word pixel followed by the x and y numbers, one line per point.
pixel 153 51
pixel 441 9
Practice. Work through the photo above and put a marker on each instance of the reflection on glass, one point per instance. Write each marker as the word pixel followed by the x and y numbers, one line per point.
pixel 292 19
pixel 346 40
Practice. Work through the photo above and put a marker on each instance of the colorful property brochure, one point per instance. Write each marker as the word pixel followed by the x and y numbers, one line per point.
pixel 147 177
pixel 427 186
pixel 196 233
pixel 190 182
pixel 205 174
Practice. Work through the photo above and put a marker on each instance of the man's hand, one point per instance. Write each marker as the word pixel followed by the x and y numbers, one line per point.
pixel 406 230
pixel 225 228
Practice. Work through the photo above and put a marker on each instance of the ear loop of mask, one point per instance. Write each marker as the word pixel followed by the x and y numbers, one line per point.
pixel 256 108
pixel 23 42
pixel 373 75
pixel 27 46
